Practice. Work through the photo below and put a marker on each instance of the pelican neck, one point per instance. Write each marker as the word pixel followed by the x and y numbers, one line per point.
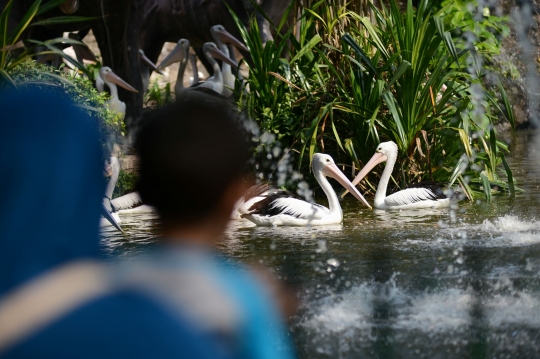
pixel 333 201
pixel 380 195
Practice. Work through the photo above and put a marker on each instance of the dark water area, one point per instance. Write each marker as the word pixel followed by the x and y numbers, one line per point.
pixel 403 284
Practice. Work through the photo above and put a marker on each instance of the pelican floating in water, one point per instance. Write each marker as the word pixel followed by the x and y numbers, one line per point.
pixel 108 77
pixel 222 37
pixel 284 210
pixel 128 203
pixel 416 197
pixel 253 195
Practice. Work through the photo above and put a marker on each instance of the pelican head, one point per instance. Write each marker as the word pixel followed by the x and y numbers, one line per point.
pixel 325 165
pixel 382 153
pixel 145 60
pixel 219 33
pixel 108 76
pixel 212 49
pixel 180 53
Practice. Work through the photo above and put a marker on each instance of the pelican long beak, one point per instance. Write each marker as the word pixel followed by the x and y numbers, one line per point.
pixel 114 78
pixel 178 54
pixel 227 38
pixel 333 171
pixel 374 161
pixel 108 216
pixel 218 54
pixel 149 63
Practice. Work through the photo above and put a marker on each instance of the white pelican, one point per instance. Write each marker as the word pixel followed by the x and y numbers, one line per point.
pixel 410 198
pixel 128 203
pixel 222 37
pixel 280 210
pixel 215 82
pixel 196 74
pixel 253 195
pixel 146 66
pixel 109 78
pixel 179 54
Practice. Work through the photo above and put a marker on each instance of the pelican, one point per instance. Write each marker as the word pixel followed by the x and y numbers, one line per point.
pixel 196 75
pixel 221 38
pixel 109 78
pixel 147 65
pixel 128 203
pixel 82 51
pixel 281 210
pixel 179 54
pixel 410 198
pixel 253 195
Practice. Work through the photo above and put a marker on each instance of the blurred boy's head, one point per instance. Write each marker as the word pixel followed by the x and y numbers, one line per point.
pixel 192 157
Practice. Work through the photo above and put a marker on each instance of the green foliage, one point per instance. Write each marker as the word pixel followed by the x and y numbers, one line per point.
pixel 345 82
pixel 77 87
pixel 126 183
pixel 469 21
pixel 157 96
pixel 13 51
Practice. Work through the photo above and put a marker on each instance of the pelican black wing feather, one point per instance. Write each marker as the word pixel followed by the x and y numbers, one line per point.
pixel 267 206
pixel 255 191
pixel 437 189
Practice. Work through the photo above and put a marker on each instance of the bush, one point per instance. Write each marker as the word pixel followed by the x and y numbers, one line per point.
pixel 348 82
pixel 77 87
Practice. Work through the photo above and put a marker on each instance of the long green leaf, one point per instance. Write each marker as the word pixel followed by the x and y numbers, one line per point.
pixel 64 20
pixel 25 21
pixel 487 186
pixel 350 41
pixel 508 111
pixel 400 71
pixel 307 49
pixel 509 174
pixel 51 4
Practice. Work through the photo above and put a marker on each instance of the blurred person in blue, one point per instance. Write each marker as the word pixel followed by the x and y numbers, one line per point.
pixel 193 156
pixel 56 299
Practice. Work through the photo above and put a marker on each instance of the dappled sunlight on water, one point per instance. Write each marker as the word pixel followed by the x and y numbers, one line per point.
pixel 402 284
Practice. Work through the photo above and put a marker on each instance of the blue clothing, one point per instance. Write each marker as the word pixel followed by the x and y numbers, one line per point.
pixel 51 189
pixel 254 331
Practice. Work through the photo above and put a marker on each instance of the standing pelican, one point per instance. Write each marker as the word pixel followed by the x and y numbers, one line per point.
pixel 212 53
pixel 410 198
pixel 179 54
pixel 222 37
pixel 109 78
pixel 147 65
pixel 196 76
pixel 280 210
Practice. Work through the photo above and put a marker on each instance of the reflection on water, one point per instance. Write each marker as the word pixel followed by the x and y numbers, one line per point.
pixel 403 284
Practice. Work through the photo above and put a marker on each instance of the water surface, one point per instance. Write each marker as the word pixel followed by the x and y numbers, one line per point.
pixel 403 284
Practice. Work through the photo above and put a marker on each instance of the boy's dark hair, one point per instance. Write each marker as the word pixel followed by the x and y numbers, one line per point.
pixel 189 152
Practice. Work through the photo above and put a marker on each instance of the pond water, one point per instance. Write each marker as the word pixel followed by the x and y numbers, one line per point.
pixel 407 284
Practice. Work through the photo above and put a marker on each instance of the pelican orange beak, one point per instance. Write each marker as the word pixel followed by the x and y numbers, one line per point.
pixel 112 77
pixel 227 38
pixel 333 171
pixel 374 161
pixel 218 54
pixel 145 60
pixel 178 54
pixel 107 215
